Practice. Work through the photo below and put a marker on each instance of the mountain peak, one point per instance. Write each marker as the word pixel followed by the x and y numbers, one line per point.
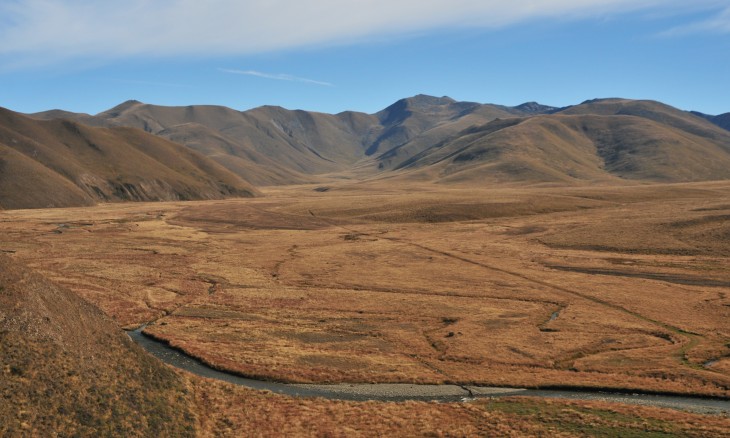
pixel 421 103
pixel 534 108
pixel 604 100
pixel 427 100
pixel 122 107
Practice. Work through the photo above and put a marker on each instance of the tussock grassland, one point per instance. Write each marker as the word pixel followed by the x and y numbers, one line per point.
pixel 67 370
pixel 228 411
pixel 606 287
pixel 603 287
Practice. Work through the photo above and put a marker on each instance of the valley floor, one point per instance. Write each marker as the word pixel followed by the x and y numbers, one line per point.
pixel 612 287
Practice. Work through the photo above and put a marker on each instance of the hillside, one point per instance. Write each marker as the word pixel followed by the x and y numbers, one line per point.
pixel 723 120
pixel 239 158
pixel 59 163
pixel 415 124
pixel 271 145
pixel 285 145
pixel 70 371
pixel 607 140
pixel 439 139
pixel 652 110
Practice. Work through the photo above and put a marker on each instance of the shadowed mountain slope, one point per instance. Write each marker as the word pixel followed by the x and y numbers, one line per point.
pixel 61 163
pixel 723 120
pixel 70 371
pixel 413 125
pixel 536 108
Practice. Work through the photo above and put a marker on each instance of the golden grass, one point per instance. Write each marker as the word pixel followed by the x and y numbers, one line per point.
pixel 67 370
pixel 59 163
pixel 612 287
pixel 226 410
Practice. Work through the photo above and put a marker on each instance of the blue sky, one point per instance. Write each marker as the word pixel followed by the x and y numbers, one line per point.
pixel 330 56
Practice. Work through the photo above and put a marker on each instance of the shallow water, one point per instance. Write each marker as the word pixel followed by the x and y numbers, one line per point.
pixel 402 392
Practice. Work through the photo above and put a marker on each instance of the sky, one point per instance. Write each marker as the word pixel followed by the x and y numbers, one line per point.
pixel 363 55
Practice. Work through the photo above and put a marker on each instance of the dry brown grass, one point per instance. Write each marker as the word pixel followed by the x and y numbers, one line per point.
pixel 612 287
pixel 59 163
pixel 67 370
pixel 226 410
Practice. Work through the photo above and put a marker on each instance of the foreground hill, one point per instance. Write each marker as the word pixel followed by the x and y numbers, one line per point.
pixel 67 370
pixel 61 163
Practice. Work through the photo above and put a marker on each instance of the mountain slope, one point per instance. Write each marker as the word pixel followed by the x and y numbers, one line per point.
pixel 723 120
pixel 651 110
pixel 438 138
pixel 26 183
pixel 415 124
pixel 237 157
pixel 294 142
pixel 62 163
pixel 579 146
pixel 306 141
pixel 443 131
pixel 273 145
pixel 511 150
pixel 70 371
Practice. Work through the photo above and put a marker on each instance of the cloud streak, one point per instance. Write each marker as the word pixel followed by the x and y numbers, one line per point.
pixel 278 77
pixel 57 30
pixel 719 24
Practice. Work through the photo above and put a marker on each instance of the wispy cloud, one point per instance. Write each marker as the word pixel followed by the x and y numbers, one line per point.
pixel 57 30
pixel 276 76
pixel 718 24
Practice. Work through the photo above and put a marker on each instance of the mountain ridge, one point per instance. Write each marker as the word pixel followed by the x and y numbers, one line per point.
pixel 61 163
pixel 298 143
pixel 441 140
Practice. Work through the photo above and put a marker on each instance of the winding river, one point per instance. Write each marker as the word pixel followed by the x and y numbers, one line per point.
pixel 402 392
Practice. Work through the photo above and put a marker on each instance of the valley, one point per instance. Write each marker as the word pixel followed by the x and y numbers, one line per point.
pixel 503 287
pixel 436 245
pixel 441 219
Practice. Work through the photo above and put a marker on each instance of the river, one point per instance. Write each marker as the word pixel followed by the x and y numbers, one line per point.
pixel 403 392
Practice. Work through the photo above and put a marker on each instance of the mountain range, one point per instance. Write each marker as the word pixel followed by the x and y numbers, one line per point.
pixel 138 151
